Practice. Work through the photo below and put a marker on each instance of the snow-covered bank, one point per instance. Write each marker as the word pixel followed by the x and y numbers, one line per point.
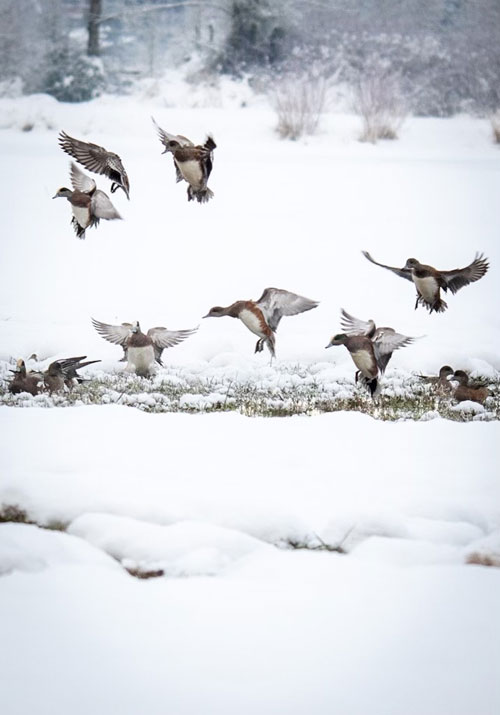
pixel 398 622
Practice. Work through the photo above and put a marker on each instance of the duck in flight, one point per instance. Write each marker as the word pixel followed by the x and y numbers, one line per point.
pixel 429 281
pixel 263 316
pixel 97 159
pixel 193 164
pixel 88 203
pixel 370 347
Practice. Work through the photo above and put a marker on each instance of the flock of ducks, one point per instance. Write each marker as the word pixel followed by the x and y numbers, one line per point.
pixel 370 347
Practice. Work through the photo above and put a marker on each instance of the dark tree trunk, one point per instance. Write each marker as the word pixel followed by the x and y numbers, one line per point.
pixel 95 9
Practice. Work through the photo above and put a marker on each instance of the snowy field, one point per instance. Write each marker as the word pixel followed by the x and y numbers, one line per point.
pixel 309 565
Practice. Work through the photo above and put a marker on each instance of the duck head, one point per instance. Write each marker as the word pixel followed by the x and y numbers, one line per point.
pixel 411 263
pixel 216 312
pixel 339 339
pixel 63 192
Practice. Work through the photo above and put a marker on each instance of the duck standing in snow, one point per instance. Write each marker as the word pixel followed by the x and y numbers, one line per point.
pixel 142 350
pixel 263 316
pixel 429 281
pixel 192 163
pixel 88 203
pixel 97 159
pixel 370 347
pixel 464 391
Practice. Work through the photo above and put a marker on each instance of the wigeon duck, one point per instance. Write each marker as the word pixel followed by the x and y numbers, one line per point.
pixel 440 382
pixel 263 316
pixel 88 203
pixel 142 350
pixel 97 159
pixel 63 373
pixel 428 280
pixel 465 392
pixel 193 164
pixel 24 381
pixel 370 347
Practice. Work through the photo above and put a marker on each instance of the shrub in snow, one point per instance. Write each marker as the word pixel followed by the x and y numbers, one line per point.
pixel 72 76
pixel 299 103
pixel 378 100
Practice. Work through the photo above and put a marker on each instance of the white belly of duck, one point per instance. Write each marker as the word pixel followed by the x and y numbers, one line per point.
pixel 365 363
pixel 82 215
pixel 427 287
pixel 141 360
pixel 252 322
pixel 192 173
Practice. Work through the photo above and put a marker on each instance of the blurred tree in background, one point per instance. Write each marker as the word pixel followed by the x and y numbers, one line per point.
pixel 446 53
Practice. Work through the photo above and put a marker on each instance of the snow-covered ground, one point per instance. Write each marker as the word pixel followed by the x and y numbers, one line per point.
pixel 248 611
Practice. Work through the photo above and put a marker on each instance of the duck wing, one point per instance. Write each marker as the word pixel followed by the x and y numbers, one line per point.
pixel 275 303
pixel 166 137
pixel 460 277
pixel 80 181
pixel 102 207
pixel 97 159
pixel 117 334
pixel 401 272
pixel 163 338
pixel 354 326
pixel 385 341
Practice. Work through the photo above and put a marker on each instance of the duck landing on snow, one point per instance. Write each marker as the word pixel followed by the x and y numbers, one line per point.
pixel 370 347
pixel 193 164
pixel 141 350
pixel 263 316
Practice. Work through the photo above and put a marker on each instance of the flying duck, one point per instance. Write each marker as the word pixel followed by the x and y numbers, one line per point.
pixel 192 163
pixel 263 316
pixel 428 281
pixel 97 159
pixel 371 348
pixel 440 382
pixel 88 203
pixel 24 381
pixel 63 373
pixel 465 392
pixel 141 350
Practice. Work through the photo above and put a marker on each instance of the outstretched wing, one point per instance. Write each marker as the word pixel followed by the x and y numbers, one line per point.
pixel 116 334
pixel 460 277
pixel 80 181
pixel 96 158
pixel 275 303
pixel 354 326
pixel 401 272
pixel 166 137
pixel 385 341
pixel 163 338
pixel 102 206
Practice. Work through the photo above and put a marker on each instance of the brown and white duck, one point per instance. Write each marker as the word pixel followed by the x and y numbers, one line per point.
pixel 88 203
pixel 142 350
pixel 440 382
pixel 24 380
pixel 63 373
pixel 370 347
pixel 263 316
pixel 97 159
pixel 466 392
pixel 429 281
pixel 193 164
